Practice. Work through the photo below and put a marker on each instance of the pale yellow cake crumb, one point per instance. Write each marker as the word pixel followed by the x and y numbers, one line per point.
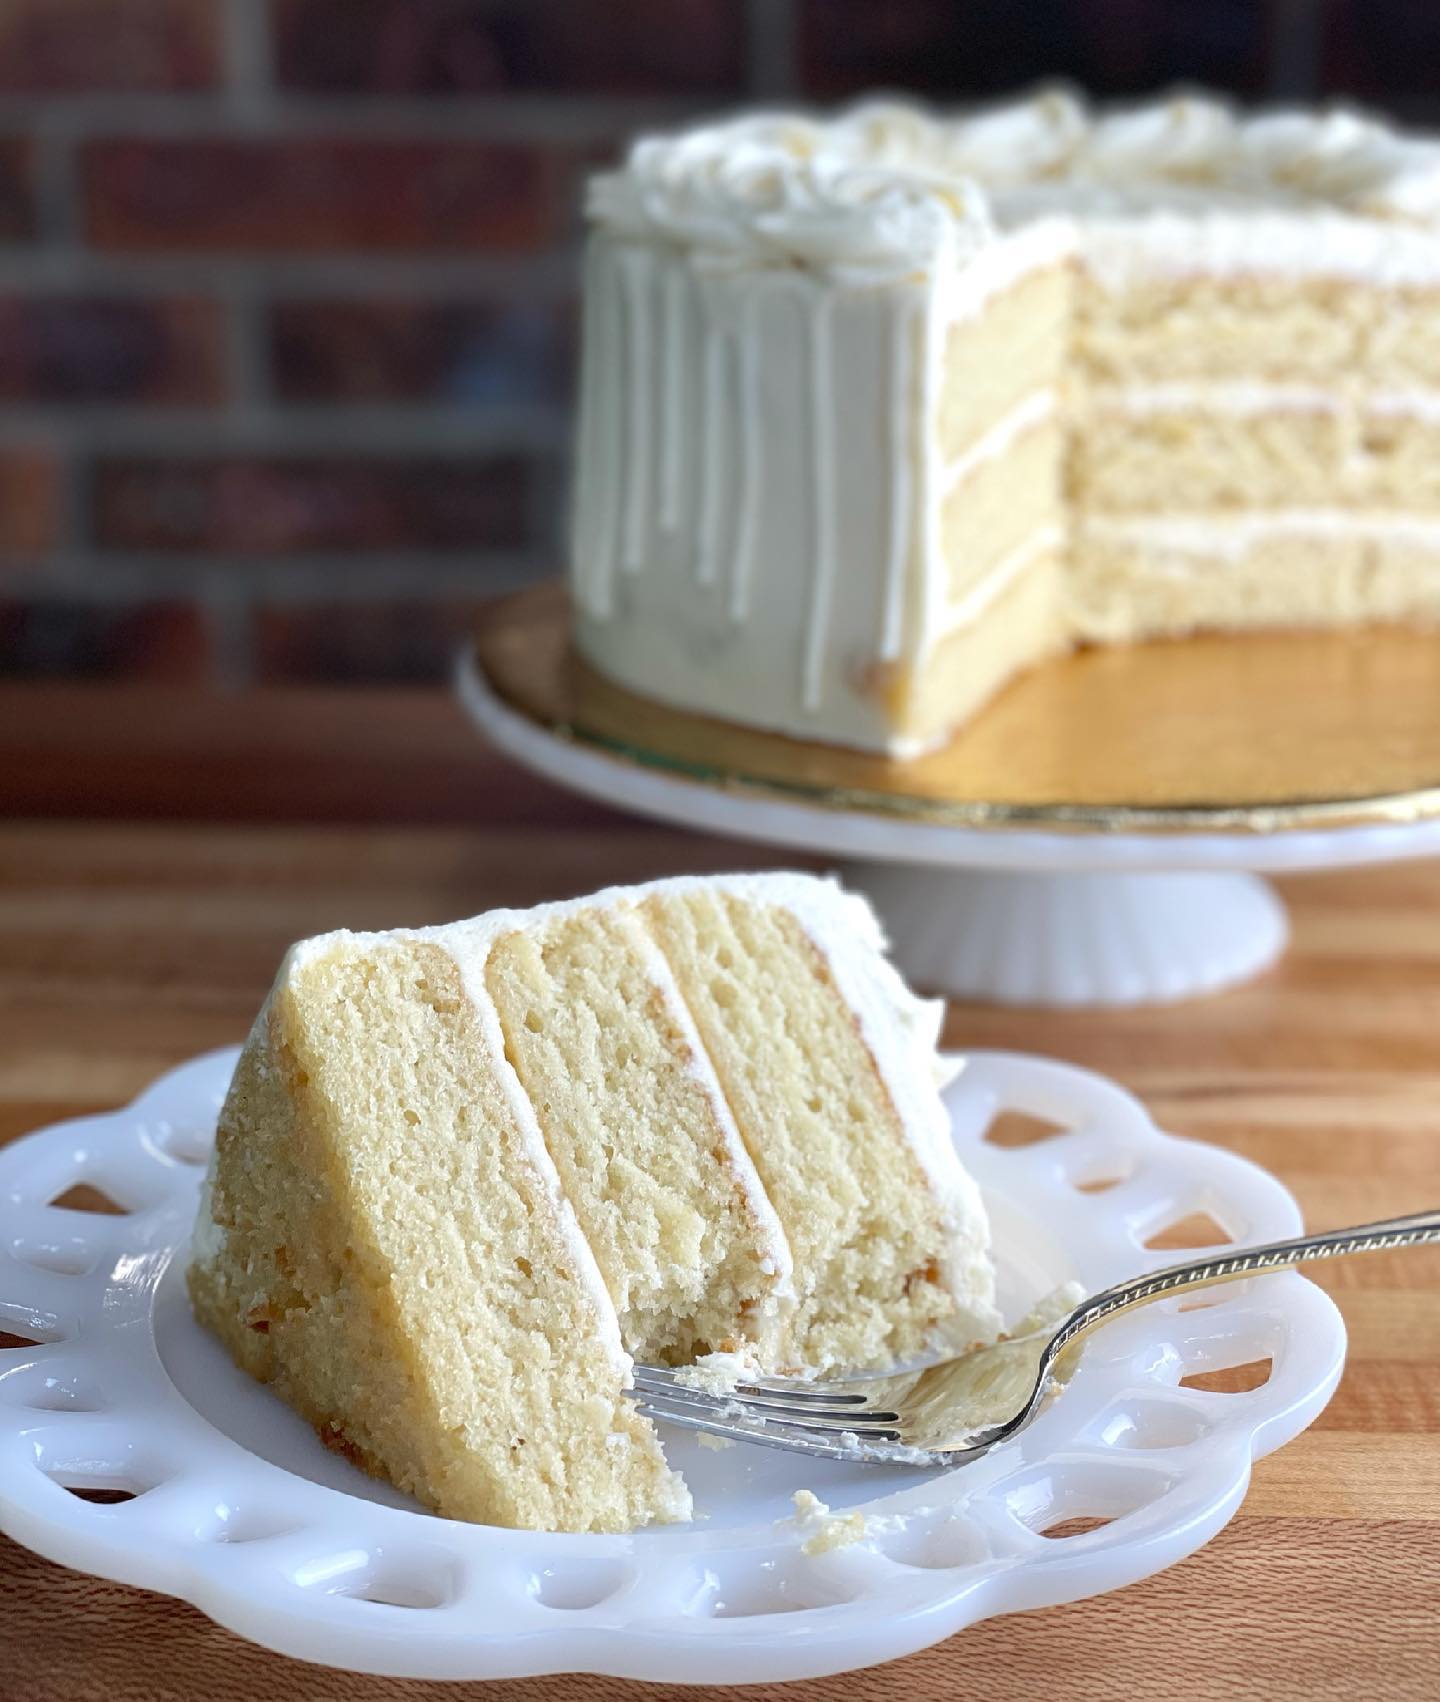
pixel 824 1530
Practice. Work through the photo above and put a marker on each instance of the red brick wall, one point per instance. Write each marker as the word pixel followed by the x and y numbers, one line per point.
pixel 287 286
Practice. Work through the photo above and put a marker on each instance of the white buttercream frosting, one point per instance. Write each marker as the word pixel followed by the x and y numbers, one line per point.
pixel 846 199
pixel 889 188
pixel 1255 396
pixel 1030 411
pixel 1233 536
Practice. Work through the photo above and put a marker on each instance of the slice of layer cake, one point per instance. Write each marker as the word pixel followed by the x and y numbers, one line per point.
pixel 386 1243
pixel 464 1173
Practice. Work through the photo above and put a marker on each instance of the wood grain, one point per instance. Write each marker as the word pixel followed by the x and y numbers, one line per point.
pixel 128 946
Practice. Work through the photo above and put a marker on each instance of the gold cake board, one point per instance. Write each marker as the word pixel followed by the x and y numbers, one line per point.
pixel 1253 733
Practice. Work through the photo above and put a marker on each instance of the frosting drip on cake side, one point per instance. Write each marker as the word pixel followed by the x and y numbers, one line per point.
pixel 712 439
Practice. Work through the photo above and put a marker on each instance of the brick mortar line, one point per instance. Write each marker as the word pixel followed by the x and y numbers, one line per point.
pixel 73 507
pixel 246 352
pixel 246 58
pixel 348 274
pixel 557 120
pixel 1293 50
pixel 229 620
pixel 184 434
pixel 547 501
pixel 772 48
pixel 123 578
pixel 56 190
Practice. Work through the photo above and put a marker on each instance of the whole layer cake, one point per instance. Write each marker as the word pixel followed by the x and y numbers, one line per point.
pixel 464 1173
pixel 877 410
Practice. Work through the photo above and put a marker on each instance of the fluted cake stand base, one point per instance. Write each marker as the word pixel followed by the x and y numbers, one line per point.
pixel 1095 837
pixel 1074 938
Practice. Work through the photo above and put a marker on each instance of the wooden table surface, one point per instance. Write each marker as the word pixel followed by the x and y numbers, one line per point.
pixel 157 854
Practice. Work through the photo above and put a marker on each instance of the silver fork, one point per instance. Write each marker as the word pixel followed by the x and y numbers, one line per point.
pixel 952 1412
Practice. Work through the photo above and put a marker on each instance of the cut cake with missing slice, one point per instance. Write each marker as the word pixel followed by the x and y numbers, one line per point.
pixel 464 1173
pixel 880 407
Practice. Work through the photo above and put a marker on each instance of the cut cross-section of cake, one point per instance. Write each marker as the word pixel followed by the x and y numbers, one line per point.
pixel 384 1240
pixel 465 1173
pixel 878 408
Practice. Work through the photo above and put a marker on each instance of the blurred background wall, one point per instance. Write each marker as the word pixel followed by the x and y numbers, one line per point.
pixel 287 287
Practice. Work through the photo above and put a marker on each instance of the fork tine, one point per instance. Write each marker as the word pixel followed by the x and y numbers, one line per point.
pixel 762 1404
pixel 725 1410
pixel 794 1388
pixel 768 1436
pixel 802 1389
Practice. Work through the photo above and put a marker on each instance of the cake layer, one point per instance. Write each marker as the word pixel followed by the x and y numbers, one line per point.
pixel 390 1250
pixel 990 512
pixel 1168 577
pixel 995 358
pixel 1010 622
pixel 647 1151
pixel 851 1145
pixel 1253 447
pixel 1257 326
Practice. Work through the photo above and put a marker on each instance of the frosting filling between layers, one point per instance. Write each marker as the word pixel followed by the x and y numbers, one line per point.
pixel 1233 535
pixel 1034 410
pixel 1258 397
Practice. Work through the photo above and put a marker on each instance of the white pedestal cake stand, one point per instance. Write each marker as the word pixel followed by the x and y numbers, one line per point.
pixel 1056 900
pixel 1018 916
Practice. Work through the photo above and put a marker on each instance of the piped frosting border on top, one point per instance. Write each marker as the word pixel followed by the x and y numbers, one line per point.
pixel 888 189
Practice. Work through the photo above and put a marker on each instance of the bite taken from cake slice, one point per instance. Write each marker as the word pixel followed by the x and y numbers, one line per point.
pixel 464 1174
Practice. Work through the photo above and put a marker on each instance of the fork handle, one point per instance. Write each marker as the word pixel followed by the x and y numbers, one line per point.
pixel 1411 1231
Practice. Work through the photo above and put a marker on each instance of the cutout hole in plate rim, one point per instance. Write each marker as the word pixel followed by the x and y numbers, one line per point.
pixel 1100 1175
pixel 1045 1497
pixel 1204 1299
pixel 228 1524
pixel 1013 1130
pixel 1196 1231
pixel 785 1585
pixel 1241 1379
pixel 572 1585
pixel 12 1342
pixel 397 1579
pixel 89 1197
pixel 101 1485
pixel 413 1592
pixel 948 1544
pixel 1144 1423
pixel 23 1327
